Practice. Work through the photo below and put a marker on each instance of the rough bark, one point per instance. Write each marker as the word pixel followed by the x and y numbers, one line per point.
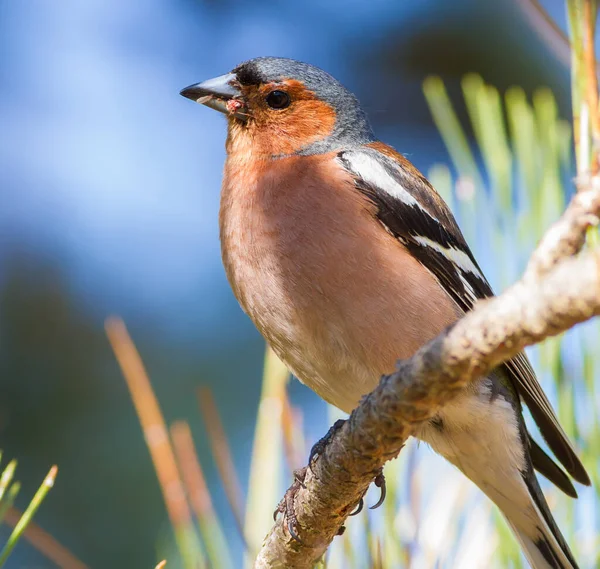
pixel 560 288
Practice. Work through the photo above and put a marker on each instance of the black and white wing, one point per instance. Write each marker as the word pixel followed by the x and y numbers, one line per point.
pixel 412 211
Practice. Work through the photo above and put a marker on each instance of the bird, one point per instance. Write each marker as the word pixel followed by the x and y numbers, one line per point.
pixel 346 259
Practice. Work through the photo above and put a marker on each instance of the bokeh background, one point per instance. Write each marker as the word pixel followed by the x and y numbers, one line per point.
pixel 109 191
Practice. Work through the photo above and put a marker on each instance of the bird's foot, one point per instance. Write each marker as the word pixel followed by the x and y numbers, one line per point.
pixel 287 506
pixel 318 449
pixel 379 481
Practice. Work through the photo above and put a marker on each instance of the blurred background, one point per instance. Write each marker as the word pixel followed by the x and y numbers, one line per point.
pixel 109 192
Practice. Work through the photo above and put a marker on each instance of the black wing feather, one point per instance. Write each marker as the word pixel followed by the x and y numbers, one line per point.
pixel 548 468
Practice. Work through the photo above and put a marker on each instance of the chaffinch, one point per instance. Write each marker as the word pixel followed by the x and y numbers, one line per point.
pixel 346 259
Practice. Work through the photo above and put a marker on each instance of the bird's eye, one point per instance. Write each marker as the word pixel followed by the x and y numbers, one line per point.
pixel 278 99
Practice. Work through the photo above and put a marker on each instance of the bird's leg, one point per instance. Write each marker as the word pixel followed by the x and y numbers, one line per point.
pixel 287 507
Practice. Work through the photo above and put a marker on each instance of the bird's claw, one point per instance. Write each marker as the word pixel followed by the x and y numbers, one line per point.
pixel 287 507
pixel 380 483
pixel 358 508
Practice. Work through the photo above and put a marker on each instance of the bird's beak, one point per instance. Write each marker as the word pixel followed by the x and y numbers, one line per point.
pixel 219 93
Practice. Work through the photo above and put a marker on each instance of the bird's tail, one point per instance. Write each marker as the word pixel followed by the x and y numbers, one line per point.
pixel 541 540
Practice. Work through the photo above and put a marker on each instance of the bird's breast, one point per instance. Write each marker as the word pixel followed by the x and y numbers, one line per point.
pixel 336 296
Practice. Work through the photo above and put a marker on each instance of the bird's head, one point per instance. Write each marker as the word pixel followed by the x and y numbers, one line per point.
pixel 280 107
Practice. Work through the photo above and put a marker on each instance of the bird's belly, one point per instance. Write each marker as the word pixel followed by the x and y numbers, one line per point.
pixel 310 337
